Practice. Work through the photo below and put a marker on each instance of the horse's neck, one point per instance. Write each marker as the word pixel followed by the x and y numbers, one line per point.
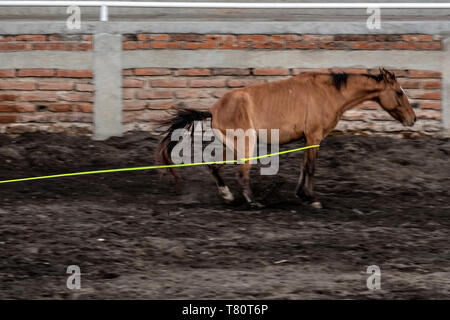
pixel 359 89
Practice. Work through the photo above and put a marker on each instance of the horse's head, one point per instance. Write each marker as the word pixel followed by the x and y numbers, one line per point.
pixel 393 99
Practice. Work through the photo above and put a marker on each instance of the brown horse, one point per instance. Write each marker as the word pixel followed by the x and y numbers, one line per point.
pixel 306 106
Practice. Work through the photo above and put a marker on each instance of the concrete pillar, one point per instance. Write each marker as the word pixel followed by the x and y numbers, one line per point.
pixel 446 87
pixel 107 67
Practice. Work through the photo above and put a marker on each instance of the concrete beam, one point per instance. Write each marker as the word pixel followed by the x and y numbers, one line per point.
pixel 79 60
pixel 325 26
pixel 396 59
pixel 107 69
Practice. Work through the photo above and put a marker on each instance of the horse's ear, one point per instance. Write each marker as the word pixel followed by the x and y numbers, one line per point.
pixel 387 75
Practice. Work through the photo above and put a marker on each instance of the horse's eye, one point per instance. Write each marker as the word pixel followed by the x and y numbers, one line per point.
pixel 400 93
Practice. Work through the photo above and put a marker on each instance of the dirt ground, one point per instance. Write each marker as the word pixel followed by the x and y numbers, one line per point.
pixel 134 235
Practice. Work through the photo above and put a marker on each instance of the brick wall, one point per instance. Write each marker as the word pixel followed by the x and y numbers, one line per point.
pixel 46 100
pixel 282 42
pixel 149 92
pixel 56 100
pixel 25 42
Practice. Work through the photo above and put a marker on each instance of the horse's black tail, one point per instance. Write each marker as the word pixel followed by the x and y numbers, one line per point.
pixel 182 118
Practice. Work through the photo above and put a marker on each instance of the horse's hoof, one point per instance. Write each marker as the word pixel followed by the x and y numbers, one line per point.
pixel 316 205
pixel 256 205
pixel 226 194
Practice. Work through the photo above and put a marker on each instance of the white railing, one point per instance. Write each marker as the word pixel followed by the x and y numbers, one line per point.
pixel 103 5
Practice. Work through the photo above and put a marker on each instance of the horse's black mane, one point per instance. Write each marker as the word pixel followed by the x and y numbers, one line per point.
pixel 377 78
pixel 340 79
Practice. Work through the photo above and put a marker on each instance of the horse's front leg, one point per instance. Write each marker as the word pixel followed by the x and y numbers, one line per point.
pixel 305 187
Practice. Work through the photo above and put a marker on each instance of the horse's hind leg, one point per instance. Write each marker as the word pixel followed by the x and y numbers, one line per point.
pixel 243 175
pixel 224 191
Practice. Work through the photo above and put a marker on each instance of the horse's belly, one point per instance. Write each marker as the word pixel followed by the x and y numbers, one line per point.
pixel 284 135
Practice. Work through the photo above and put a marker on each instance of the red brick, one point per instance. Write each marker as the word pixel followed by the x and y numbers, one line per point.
pixel 14 46
pixel 7 119
pixel 78 46
pixel 84 107
pixel 144 45
pixel 36 73
pixel 285 37
pixel 417 37
pixel 409 84
pixel 60 107
pixel 231 72
pixel 432 85
pixel 316 37
pixel 143 37
pixel 132 83
pixel 169 83
pixel 154 94
pixel 7 108
pixel 7 73
pixel 78 96
pixel 215 83
pixel 134 105
pixel 402 45
pixel 364 45
pixel 191 94
pixel 253 38
pixel 221 38
pixel 424 74
pixel 351 37
pixel 353 116
pixel 7 38
pixel 219 93
pixel 160 105
pixel 267 45
pixel 200 45
pixel 55 37
pixel 128 94
pixel 429 45
pixel 30 37
pixel 128 72
pixel 130 45
pixel 62 86
pixel 435 95
pixel 193 72
pixel 235 83
pixel 17 85
pixel 151 71
pixel 270 71
pixel 430 105
pixel 428 114
pixel 7 97
pixel 166 45
pixel 85 87
pixel 187 37
pixel 74 73
pixel 233 46
pixel 48 46
pixel 301 45
pixel 161 37
pixel 17 108
pixel 38 96
pixel 88 37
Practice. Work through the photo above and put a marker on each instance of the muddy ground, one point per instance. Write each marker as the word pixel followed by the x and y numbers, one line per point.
pixel 386 203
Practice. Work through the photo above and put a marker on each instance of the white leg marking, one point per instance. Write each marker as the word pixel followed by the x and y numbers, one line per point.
pixel 226 193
